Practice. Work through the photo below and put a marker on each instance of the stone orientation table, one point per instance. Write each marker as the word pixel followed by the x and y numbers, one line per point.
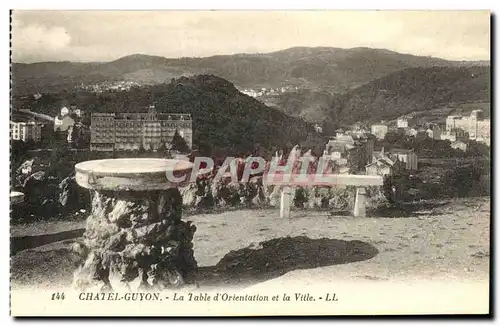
pixel 134 238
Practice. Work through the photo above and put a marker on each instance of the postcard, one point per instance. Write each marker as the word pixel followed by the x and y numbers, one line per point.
pixel 250 163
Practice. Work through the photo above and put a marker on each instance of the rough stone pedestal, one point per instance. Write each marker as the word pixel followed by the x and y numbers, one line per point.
pixel 360 203
pixel 135 238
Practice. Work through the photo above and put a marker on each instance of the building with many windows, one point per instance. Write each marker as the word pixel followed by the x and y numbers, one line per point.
pixel 26 131
pixel 132 131
pixel 434 132
pixel 476 126
pixel 407 156
pixel 459 145
pixel 455 134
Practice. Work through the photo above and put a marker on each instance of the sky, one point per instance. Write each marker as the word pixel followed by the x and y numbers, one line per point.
pixel 108 35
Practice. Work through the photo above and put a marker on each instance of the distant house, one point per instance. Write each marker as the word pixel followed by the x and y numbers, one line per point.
pixel 339 144
pixel 25 131
pixel 486 141
pixel 434 133
pixel 357 134
pixel 335 156
pixel 459 145
pixel 405 122
pixel 358 152
pixel 342 139
pixel 379 130
pixel 402 122
pixel 475 125
pixel 411 132
pixel 406 156
pixel 334 147
pixel 343 170
pixel 382 166
pixel 455 135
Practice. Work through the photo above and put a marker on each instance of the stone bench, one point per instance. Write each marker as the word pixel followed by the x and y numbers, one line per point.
pixel 359 181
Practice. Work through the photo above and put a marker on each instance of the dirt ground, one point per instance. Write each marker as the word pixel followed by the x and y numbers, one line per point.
pixel 444 240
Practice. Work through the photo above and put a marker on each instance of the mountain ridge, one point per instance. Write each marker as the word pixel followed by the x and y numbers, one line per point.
pixel 293 48
pixel 334 68
pixel 411 90
pixel 223 118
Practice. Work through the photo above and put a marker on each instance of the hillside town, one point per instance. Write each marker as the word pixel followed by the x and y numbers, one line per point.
pixel 392 150
pixel 263 91
pixel 351 150
pixel 113 86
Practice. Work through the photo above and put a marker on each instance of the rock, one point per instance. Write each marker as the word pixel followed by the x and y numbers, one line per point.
pixel 41 195
pixel 34 178
pixel 150 233
pixel 227 194
pixel 154 244
pixel 300 197
pixel 117 242
pixel 67 188
pixel 375 198
pixel 91 275
pixel 314 202
pixel 80 249
pixel 197 195
pixel 257 180
pixel 63 198
pixel 26 169
pixel 274 197
pixel 267 190
pixel 189 195
pixel 259 199
pixel 121 210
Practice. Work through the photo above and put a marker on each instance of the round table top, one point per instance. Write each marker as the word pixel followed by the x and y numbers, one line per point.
pixel 125 166
pixel 16 197
pixel 132 173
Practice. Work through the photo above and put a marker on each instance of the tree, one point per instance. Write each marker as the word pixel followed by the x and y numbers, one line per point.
pixel 477 149
pixel 83 139
pixel 329 125
pixel 58 163
pixel 141 151
pixel 73 135
pixel 17 152
pixel 161 150
pixel 179 144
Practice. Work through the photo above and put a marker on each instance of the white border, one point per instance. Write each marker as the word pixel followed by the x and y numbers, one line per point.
pixel 258 4
pixel 145 4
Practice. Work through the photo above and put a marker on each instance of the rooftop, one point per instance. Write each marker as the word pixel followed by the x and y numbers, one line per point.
pixel 400 151
pixel 144 115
